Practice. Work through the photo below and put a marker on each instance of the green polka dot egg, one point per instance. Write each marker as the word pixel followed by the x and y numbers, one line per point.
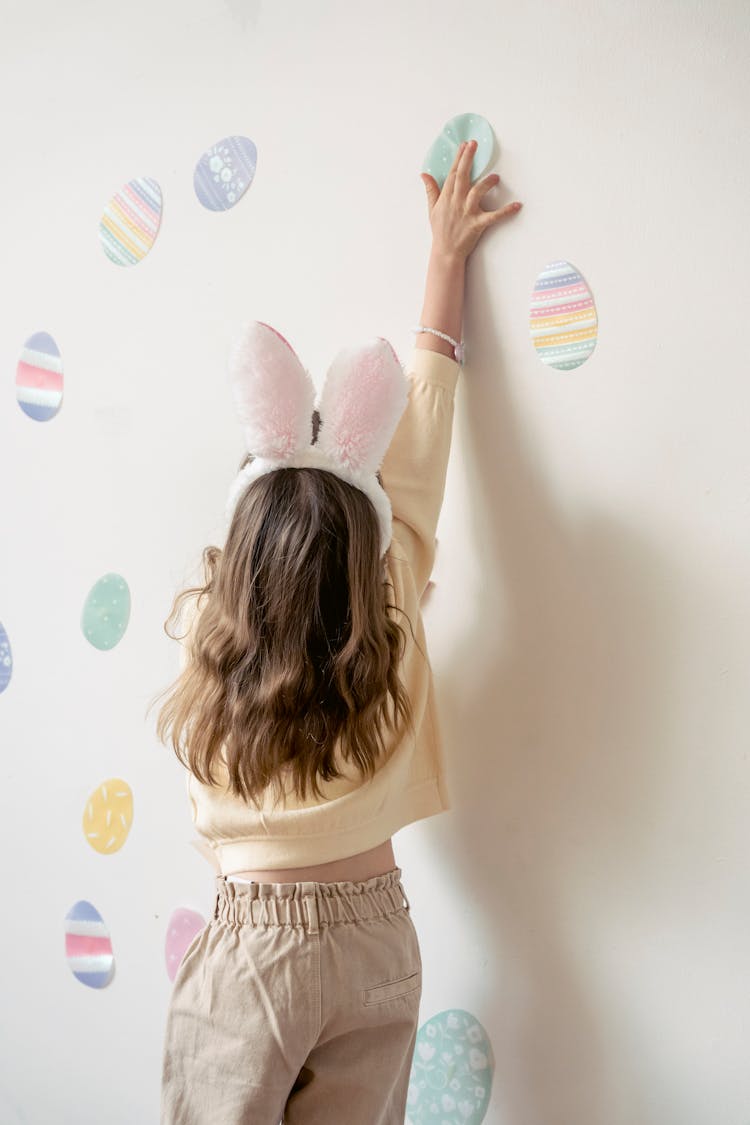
pixel 106 612
pixel 442 152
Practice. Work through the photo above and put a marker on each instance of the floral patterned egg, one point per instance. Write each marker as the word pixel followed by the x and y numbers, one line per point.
pixel 563 323
pixel 451 1073
pixel 225 172
pixel 131 221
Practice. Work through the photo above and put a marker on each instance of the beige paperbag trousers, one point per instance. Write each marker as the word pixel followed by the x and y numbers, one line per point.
pixel 297 1002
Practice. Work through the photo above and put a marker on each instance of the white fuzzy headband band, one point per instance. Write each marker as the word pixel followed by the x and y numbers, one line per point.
pixel 363 397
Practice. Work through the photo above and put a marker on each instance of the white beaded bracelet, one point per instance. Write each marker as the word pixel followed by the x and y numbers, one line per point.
pixel 458 348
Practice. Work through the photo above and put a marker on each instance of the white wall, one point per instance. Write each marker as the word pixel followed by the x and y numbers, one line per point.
pixel 587 898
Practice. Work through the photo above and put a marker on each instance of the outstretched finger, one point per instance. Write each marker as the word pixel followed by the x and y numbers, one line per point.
pixel 463 171
pixel 450 179
pixel 481 187
pixel 489 218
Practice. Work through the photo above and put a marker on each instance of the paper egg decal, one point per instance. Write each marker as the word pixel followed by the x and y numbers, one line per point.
pixel 184 926
pixel 442 152
pixel 451 1072
pixel 563 322
pixel 225 172
pixel 39 378
pixel 130 223
pixel 106 611
pixel 6 659
pixel 108 816
pixel 87 946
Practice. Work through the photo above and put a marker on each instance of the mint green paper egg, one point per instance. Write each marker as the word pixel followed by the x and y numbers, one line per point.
pixel 106 612
pixel 451 1072
pixel 442 153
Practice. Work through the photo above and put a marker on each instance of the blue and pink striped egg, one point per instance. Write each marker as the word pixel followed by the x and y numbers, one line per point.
pixel 39 378
pixel 88 947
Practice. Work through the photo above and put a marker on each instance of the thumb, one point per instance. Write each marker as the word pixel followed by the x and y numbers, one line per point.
pixel 433 191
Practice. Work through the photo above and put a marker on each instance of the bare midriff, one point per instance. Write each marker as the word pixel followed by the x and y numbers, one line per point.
pixel 354 868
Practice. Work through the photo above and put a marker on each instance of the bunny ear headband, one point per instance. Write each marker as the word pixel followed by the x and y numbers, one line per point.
pixel 363 397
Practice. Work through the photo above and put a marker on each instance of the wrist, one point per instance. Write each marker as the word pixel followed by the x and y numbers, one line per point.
pixel 448 259
pixel 435 340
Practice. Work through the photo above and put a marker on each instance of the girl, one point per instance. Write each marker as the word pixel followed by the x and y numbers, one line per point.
pixel 305 715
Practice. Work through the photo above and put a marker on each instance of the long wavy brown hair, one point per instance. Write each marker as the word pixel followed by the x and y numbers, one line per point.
pixel 294 651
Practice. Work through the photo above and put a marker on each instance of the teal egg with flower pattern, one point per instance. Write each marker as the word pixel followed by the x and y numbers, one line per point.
pixel 451 1072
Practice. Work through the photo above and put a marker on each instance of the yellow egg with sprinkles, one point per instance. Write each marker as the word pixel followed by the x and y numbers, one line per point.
pixel 108 816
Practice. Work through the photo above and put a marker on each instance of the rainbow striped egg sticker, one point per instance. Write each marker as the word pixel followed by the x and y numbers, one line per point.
pixel 88 948
pixel 563 323
pixel 39 378
pixel 131 220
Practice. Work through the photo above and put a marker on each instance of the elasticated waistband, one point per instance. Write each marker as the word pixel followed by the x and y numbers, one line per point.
pixel 310 904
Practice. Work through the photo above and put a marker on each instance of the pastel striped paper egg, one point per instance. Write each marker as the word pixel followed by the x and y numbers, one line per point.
pixel 106 611
pixel 184 926
pixel 39 378
pixel 563 321
pixel 442 152
pixel 6 659
pixel 108 816
pixel 88 948
pixel 451 1072
pixel 131 220
pixel 224 173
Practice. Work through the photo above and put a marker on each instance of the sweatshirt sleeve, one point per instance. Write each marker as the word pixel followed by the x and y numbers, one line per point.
pixel 415 465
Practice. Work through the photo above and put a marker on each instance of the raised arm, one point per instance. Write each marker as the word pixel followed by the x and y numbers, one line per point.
pixel 443 306
pixel 416 463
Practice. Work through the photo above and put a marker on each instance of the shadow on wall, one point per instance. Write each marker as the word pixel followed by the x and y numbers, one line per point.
pixel 563 685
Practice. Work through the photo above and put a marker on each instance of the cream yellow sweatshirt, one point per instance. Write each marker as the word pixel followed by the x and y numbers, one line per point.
pixel 356 815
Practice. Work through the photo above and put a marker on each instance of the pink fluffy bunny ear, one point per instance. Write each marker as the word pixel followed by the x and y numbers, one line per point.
pixel 273 393
pixel 364 394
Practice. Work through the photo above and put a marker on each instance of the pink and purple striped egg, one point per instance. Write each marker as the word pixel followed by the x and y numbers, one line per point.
pixel 88 948
pixel 563 323
pixel 39 378
pixel 224 173
pixel 131 221
pixel 184 926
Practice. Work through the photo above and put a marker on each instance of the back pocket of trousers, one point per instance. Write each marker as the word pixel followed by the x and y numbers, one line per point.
pixel 392 989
